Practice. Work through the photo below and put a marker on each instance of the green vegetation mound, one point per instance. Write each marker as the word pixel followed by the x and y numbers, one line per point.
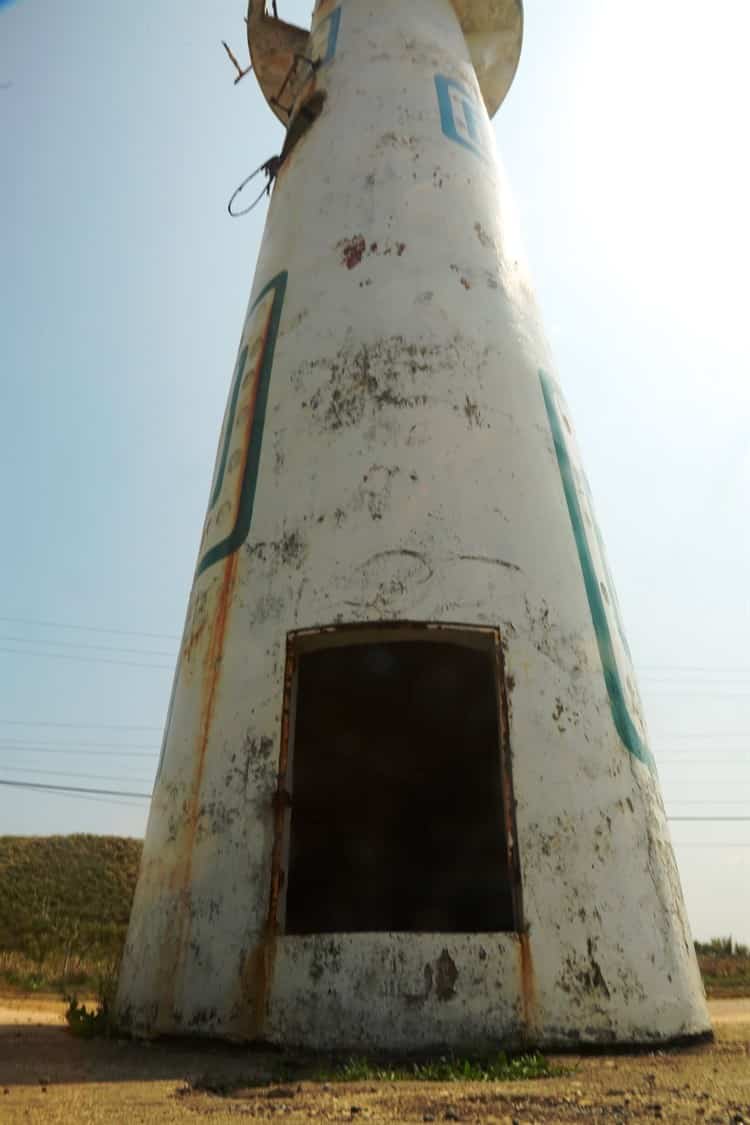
pixel 64 905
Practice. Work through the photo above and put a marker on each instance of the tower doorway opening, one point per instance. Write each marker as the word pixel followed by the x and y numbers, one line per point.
pixel 401 815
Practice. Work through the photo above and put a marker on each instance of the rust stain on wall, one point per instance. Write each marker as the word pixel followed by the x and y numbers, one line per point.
pixel 528 997
pixel 353 250
pixel 259 976
pixel 527 987
pixel 256 984
pixel 181 875
pixel 174 949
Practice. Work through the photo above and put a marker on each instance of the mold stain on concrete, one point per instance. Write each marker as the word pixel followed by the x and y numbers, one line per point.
pixel 289 550
pixel 472 412
pixel 367 379
pixel 446 975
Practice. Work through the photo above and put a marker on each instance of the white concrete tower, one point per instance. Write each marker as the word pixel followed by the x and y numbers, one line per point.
pixel 405 795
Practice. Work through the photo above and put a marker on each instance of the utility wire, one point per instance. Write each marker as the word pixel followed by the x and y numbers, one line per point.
pixel 72 789
pixel 93 753
pixel 100 800
pixel 89 628
pixel 113 750
pixel 713 734
pixel 81 776
pixel 690 690
pixel 146 796
pixel 82 726
pixel 687 668
pixel 85 645
pixel 643 669
pixel 85 659
pixel 712 818
pixel 19 744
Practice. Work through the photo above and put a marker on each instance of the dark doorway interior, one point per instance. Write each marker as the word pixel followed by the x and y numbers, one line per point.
pixel 397 813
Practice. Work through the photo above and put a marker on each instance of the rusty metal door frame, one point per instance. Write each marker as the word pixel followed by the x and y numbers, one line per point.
pixel 301 641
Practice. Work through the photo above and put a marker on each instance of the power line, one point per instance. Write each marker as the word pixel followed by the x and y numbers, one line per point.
pixel 85 659
pixel 81 726
pixel 693 689
pixel 95 754
pixel 23 744
pixel 92 753
pixel 702 734
pixel 72 789
pixel 116 750
pixel 668 670
pixel 129 749
pixel 744 819
pixel 715 743
pixel 13 742
pixel 90 628
pixel 147 796
pixel 83 644
pixel 688 677
pixel 67 773
pixel 689 668
pixel 690 684
pixel 100 800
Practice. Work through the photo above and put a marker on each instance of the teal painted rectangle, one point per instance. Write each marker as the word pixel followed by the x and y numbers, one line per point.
pixel 469 131
pixel 244 516
pixel 621 717
pixel 334 22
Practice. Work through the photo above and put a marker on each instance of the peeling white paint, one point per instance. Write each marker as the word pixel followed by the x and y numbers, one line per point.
pixel 414 463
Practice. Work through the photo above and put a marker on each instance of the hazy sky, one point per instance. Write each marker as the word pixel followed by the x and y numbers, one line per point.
pixel 124 285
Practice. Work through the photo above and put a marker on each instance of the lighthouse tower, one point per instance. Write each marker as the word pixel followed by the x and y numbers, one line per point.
pixel 405 795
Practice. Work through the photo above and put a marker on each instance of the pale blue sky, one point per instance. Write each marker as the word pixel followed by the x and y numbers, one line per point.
pixel 124 284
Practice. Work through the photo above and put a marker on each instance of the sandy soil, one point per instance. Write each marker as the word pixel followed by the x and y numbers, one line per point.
pixel 47 1075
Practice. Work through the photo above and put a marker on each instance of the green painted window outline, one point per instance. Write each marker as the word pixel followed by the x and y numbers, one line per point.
pixel 236 383
pixel 621 717
pixel 238 534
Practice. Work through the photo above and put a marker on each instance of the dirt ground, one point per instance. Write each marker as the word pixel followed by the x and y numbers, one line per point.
pixel 48 1075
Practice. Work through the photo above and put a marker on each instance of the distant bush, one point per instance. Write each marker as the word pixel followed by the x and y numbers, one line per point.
pixel 64 908
pixel 722 947
pixel 725 966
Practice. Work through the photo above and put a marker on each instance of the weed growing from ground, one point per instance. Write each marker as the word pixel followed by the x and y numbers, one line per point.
pixel 88 1023
pixel 446 1068
pixel 84 1023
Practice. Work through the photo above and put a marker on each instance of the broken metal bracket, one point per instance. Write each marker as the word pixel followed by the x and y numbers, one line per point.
pixel 233 59
pixel 276 99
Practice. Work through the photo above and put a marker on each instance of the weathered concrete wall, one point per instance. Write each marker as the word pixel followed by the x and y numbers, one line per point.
pixel 395 449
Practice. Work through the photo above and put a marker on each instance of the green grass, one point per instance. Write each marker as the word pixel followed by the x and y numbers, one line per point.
pixel 497 1067
pixel 446 1068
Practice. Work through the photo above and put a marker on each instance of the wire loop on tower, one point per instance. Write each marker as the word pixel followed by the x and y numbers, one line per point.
pixel 270 168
